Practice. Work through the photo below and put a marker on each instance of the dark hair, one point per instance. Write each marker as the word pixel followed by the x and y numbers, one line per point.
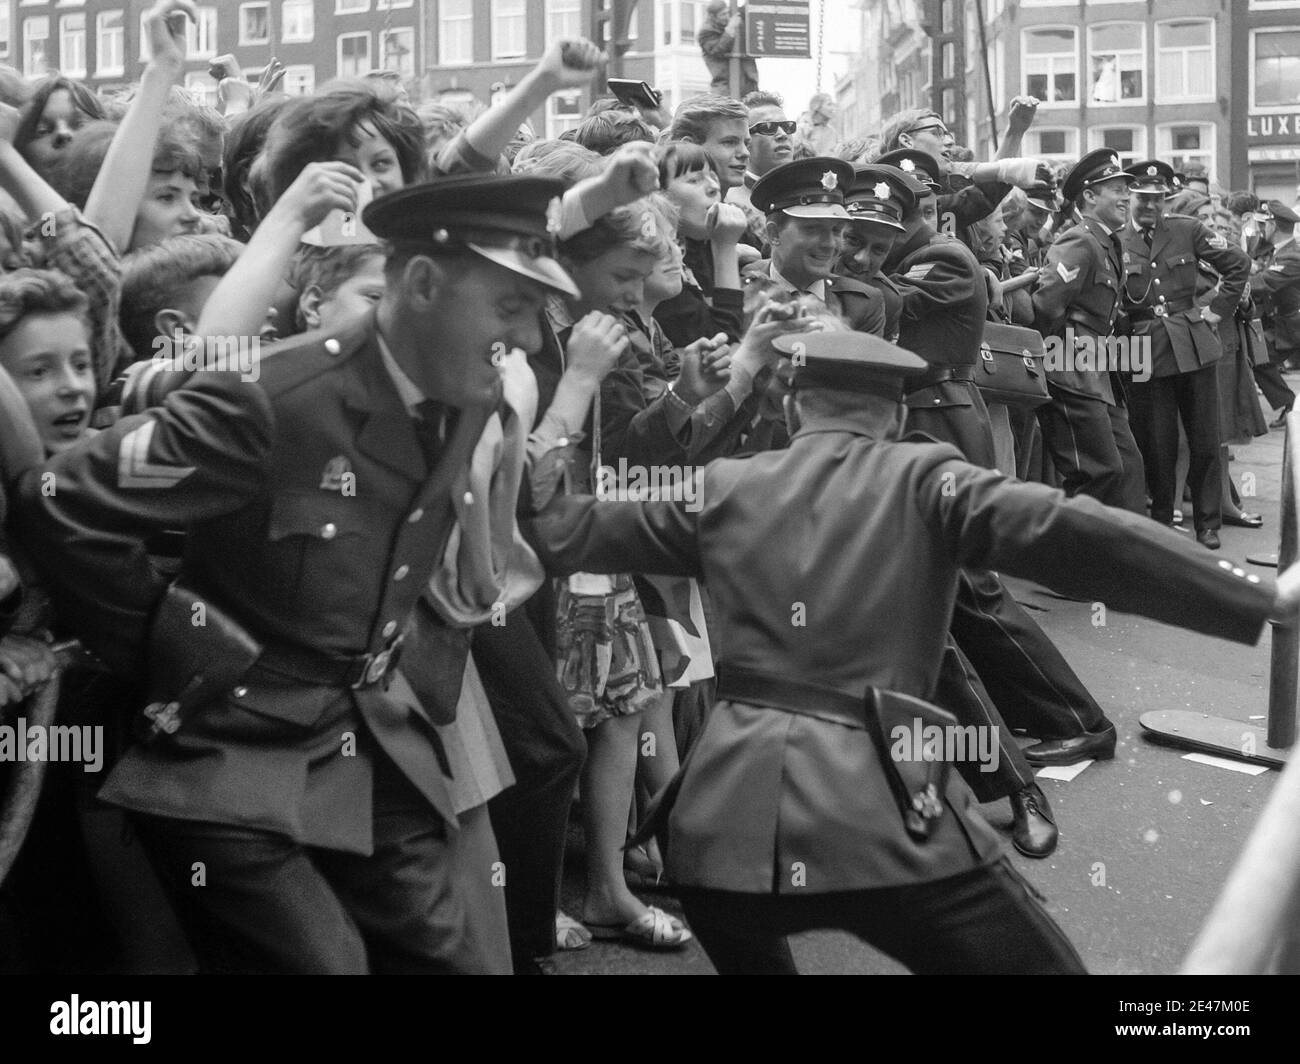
pixel 152 279
pixel 82 98
pixel 694 118
pixel 609 130
pixel 27 291
pixel 75 173
pixel 1241 203
pixel 677 157
pixel 243 145
pixel 312 129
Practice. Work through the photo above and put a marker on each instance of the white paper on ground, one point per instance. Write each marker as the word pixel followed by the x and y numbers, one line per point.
pixel 1223 762
pixel 1064 773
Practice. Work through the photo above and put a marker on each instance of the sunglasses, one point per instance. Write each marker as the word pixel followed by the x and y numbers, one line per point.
pixel 770 129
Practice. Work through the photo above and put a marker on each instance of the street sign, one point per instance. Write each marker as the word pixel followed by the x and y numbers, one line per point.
pixel 779 28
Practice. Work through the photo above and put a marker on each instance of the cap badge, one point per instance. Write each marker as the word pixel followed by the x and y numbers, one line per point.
pixel 881 190
pixel 554 212
pixel 1113 161
pixel 906 165
pixel 830 180
pixel 1151 171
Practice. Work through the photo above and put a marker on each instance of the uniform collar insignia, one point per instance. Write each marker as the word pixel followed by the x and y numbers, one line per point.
pixel 830 180
pixel 335 470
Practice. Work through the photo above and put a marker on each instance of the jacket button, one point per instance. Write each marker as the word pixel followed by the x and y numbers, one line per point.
pixel 937 402
pixel 329 531
pixel 469 498
pixel 239 692
pixel 332 346
pixel 401 572
pixel 1156 281
pixel 1225 564
pixel 389 629
pixel 414 516
pixel 1252 579
pixel 1238 572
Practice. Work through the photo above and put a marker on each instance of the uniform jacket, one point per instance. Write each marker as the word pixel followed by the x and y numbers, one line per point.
pixel 1079 289
pixel 1279 284
pixel 859 305
pixel 836 561
pixel 1165 275
pixel 893 303
pixel 314 521
pixel 945 305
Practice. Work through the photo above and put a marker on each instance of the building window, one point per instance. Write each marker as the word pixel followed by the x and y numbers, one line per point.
pixel 1276 67
pixel 254 23
pixel 397 51
pixel 388 5
pixel 354 55
pixel 1184 60
pixel 455 31
pixel 1187 145
pixel 351 7
pixel 297 20
pixel 509 29
pixel 300 80
pixel 6 30
pixel 1054 144
pixel 72 45
pixel 36 44
pixel 202 89
pixel 693 17
pixel 605 26
pixel 1117 62
pixel 110 40
pixel 563 111
pixel 1050 59
pixel 563 20
pixel 200 36
pixel 1128 142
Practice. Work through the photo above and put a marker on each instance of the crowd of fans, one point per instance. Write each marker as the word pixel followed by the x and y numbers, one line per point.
pixel 131 223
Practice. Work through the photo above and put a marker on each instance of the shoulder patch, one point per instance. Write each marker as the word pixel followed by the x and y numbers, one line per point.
pixel 134 470
pixel 1067 274
pixel 919 271
pixel 1217 241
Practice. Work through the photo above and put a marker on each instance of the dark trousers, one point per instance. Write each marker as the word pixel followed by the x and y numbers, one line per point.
pixel 962 693
pixel 1026 676
pixel 1093 449
pixel 546 751
pixel 1277 393
pixel 981 922
pixel 257 901
pixel 1157 406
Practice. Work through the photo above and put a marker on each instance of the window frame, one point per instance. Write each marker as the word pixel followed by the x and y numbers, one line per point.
pixel 1071 151
pixel 1267 109
pixel 101 70
pixel 549 14
pixel 553 129
pixel 1166 151
pixel 351 7
pixel 64 67
pixel 1141 50
pixel 292 67
pixel 1139 152
pixel 522 14
pixel 1027 32
pixel 32 20
pixel 297 38
pixel 251 6
pixel 338 52
pixel 381 39
pixel 1207 97
pixel 461 21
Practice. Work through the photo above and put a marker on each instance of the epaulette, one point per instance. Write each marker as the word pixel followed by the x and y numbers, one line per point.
pixel 289 363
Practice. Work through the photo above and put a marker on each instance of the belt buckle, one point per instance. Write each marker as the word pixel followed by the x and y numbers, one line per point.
pixel 378 666
pixel 1160 310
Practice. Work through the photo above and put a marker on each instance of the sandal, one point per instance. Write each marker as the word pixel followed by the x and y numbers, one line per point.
pixel 654 929
pixel 569 934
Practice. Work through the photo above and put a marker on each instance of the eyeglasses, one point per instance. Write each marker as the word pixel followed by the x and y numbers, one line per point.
pixel 770 129
pixel 941 129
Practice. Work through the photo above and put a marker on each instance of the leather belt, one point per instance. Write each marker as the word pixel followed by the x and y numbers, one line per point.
pixel 357 671
pixel 1160 310
pixel 939 374
pixel 803 697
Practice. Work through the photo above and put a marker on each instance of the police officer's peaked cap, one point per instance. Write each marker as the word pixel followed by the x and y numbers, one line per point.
pixel 920 166
pixel 1094 168
pixel 1042 195
pixel 805 188
pixel 1153 177
pixel 880 194
pixel 849 361
pixel 508 220
pixel 1282 212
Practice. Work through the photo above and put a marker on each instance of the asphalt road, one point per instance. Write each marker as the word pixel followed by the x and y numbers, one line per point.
pixel 1147 839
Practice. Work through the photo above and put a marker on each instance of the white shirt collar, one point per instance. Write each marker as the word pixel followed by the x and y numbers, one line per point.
pixel 818 287
pixel 407 390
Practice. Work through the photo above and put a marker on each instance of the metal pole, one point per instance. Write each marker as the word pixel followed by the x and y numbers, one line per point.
pixel 735 53
pixel 1284 669
pixel 988 81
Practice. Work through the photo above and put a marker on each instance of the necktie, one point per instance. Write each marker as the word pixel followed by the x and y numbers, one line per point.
pixel 428 430
pixel 1146 236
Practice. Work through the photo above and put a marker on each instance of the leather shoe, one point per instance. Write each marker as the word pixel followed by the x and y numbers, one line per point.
pixel 1096 746
pixel 1280 422
pixel 1209 538
pixel 1033 831
pixel 1244 520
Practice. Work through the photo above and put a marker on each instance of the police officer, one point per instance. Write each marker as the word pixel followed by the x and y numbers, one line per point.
pixel 1085 426
pixel 1161 252
pixel 804 205
pixel 299 808
pixel 800 807
pixel 1277 285
pixel 1268 375
pixel 876 201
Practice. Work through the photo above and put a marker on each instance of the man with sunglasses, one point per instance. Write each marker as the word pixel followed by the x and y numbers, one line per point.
pixel 771 144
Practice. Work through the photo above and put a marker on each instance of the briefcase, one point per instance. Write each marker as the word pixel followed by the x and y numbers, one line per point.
pixel 1011 369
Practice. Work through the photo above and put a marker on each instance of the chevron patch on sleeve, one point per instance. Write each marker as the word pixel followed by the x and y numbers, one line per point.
pixel 918 272
pixel 134 470
pixel 1067 275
